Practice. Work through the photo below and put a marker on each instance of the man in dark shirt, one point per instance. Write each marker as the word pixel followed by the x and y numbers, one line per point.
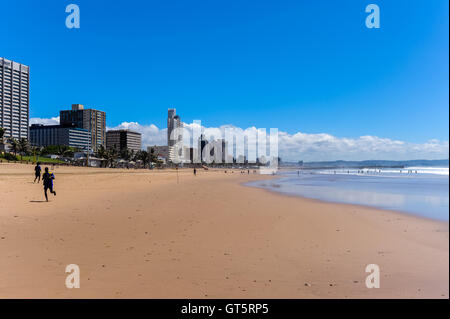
pixel 48 178
pixel 37 172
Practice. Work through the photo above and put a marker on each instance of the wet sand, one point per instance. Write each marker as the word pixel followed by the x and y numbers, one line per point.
pixel 140 234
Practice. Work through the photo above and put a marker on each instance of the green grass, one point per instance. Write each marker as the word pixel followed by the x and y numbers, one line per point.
pixel 41 159
pixel 31 158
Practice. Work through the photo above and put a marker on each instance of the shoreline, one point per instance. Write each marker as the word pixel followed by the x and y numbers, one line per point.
pixel 407 211
pixel 350 205
pixel 142 235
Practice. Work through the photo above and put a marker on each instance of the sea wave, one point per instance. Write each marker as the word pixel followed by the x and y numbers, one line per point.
pixel 429 170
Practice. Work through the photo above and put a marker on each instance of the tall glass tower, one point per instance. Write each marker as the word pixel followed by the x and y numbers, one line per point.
pixel 174 136
pixel 174 125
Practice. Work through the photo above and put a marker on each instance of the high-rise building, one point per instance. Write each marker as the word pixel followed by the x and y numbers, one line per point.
pixel 14 98
pixel 174 125
pixel 202 142
pixel 92 120
pixel 121 140
pixel 46 135
pixel 174 136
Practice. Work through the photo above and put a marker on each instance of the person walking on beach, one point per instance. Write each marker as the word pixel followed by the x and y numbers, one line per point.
pixel 37 172
pixel 47 179
pixel 195 171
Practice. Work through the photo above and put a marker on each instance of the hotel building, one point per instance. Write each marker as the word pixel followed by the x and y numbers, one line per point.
pixel 14 98
pixel 121 140
pixel 92 120
pixel 46 135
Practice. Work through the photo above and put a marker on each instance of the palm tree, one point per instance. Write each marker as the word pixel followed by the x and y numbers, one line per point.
pixel 64 150
pixel 23 147
pixel 36 150
pixel 154 157
pixel 144 157
pixel 14 145
pixel 125 154
pixel 132 154
pixel 102 152
pixel 111 156
pixel 2 133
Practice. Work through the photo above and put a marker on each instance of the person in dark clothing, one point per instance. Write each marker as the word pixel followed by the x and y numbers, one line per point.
pixel 37 172
pixel 47 179
pixel 195 171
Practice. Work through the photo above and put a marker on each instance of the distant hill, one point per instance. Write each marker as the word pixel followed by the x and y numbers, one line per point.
pixel 369 163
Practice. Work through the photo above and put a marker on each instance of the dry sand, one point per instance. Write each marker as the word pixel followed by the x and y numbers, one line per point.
pixel 140 234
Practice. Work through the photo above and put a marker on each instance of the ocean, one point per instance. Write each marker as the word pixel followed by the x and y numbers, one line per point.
pixel 422 191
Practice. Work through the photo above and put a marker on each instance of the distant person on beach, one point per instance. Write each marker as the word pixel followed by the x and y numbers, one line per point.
pixel 37 172
pixel 195 171
pixel 48 178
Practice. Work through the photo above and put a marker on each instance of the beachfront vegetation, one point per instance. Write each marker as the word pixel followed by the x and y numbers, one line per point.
pixel 21 150
pixel 61 150
pixel 14 145
pixel 9 157
pixel 127 157
pixel 23 147
pixel 2 143
pixel 28 158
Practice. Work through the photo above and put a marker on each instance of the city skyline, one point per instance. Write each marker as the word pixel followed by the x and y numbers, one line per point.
pixel 348 93
pixel 303 146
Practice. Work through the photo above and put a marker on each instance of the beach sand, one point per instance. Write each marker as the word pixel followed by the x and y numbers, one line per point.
pixel 140 234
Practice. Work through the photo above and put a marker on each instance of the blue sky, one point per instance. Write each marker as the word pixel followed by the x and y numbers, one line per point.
pixel 309 66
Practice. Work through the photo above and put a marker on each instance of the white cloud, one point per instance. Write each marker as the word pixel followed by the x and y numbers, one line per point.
pixel 309 147
pixel 325 147
pixel 50 121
